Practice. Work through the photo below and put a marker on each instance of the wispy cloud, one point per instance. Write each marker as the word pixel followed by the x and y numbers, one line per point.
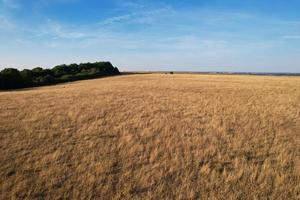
pixel 140 17
pixel 297 37
pixel 116 19
pixel 137 4
pixel 6 24
pixel 37 5
pixel 10 4
pixel 60 31
pixel 289 22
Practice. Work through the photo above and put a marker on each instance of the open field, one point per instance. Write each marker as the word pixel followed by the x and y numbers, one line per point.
pixel 153 136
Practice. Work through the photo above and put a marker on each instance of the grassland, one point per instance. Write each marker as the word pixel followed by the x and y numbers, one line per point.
pixel 153 137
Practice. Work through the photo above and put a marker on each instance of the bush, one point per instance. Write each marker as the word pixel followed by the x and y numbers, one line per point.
pixel 27 76
pixel 11 78
pixel 67 77
pixel 46 80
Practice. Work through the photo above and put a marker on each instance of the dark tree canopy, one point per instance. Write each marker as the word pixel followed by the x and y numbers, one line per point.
pixel 11 78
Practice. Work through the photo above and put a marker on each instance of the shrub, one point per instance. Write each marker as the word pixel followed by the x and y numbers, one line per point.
pixel 12 78
pixel 27 76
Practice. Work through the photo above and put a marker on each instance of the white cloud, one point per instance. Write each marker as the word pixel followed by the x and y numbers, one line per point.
pixel 297 37
pixel 117 19
pixel 58 31
pixel 22 41
pixel 289 22
pixel 140 17
pixel 6 24
pixel 10 4
pixel 132 4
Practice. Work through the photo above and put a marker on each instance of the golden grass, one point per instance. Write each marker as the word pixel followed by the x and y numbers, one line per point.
pixel 153 137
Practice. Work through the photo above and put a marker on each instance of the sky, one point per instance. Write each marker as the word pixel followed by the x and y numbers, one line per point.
pixel 144 35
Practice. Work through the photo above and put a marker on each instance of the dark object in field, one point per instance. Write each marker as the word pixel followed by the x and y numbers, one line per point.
pixel 171 72
pixel 11 78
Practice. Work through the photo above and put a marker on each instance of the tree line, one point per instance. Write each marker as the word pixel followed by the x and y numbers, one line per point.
pixel 11 78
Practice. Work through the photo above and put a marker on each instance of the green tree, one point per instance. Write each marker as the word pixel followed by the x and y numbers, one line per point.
pixel 11 79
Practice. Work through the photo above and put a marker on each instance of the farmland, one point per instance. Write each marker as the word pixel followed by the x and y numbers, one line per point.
pixel 153 136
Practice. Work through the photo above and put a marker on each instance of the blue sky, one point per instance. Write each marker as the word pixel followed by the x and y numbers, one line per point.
pixel 186 35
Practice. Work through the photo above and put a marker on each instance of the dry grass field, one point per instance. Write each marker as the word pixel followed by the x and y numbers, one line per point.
pixel 154 136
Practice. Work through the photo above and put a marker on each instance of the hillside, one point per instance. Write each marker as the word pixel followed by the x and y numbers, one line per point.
pixel 153 136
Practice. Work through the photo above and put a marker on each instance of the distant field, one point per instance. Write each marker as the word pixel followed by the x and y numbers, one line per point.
pixel 153 136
